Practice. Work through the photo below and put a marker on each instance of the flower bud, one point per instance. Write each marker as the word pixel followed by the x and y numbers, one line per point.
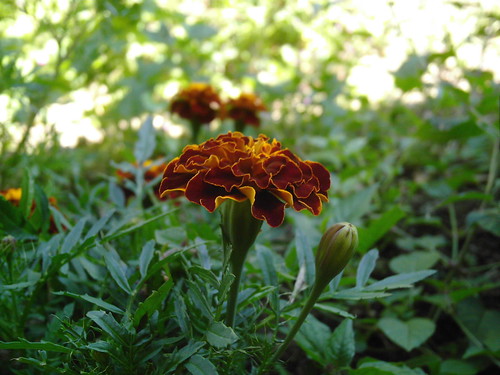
pixel 334 252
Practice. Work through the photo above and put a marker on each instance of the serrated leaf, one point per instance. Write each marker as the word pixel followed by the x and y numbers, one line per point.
pixel 220 336
pixel 146 256
pixel 153 302
pixel 366 267
pixel 206 275
pixel 198 365
pixel 408 335
pixel 342 344
pixel 109 325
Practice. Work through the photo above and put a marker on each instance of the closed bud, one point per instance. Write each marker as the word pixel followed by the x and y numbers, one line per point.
pixel 334 252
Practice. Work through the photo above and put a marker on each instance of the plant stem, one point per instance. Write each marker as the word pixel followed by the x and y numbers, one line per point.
pixel 237 269
pixel 454 232
pixel 313 297
pixel 195 130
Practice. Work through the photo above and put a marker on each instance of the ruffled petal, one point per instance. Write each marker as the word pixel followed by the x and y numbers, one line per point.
pixel 269 208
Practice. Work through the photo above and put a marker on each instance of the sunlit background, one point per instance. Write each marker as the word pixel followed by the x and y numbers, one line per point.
pixel 77 69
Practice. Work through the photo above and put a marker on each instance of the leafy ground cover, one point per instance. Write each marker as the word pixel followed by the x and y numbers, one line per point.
pixel 98 275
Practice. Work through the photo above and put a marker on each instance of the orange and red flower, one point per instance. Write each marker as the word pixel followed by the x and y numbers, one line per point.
pixel 245 109
pixel 237 167
pixel 198 102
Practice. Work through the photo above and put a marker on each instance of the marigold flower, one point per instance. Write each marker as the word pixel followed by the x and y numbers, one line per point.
pixel 245 109
pixel 197 103
pixel 238 167
pixel 12 195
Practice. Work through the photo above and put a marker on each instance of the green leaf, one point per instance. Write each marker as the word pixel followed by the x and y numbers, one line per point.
pixel 113 264
pixel 73 237
pixel 342 344
pixel 415 261
pixel 313 337
pixel 27 195
pixel 404 280
pixel 145 145
pixel 305 255
pixel 99 224
pixel 113 235
pixel 366 267
pixel 206 275
pixel 109 325
pixel 334 310
pixel 408 335
pixel 479 321
pixel 458 367
pixel 153 302
pixel 198 365
pixel 41 215
pixel 171 236
pixel 28 345
pixel 184 353
pixel 385 368
pixel 266 263
pixel 116 194
pixel 96 301
pixel 353 207
pixel 220 336
pixel 409 74
pixel 146 257
pixel 378 228
pixel 181 314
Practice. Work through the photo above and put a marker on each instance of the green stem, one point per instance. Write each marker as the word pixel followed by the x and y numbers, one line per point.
pixel 237 269
pixel 195 130
pixel 313 297
pixel 239 126
pixel 454 232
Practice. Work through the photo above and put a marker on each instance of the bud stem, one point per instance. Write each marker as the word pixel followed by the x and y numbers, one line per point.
pixel 313 297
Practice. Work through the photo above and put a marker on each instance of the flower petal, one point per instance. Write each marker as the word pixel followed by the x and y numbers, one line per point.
pixel 268 207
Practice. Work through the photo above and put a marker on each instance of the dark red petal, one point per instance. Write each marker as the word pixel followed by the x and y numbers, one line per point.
pixel 303 189
pixel 223 177
pixel 172 180
pixel 312 203
pixel 260 176
pixel 268 207
pixel 289 174
pixel 322 174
